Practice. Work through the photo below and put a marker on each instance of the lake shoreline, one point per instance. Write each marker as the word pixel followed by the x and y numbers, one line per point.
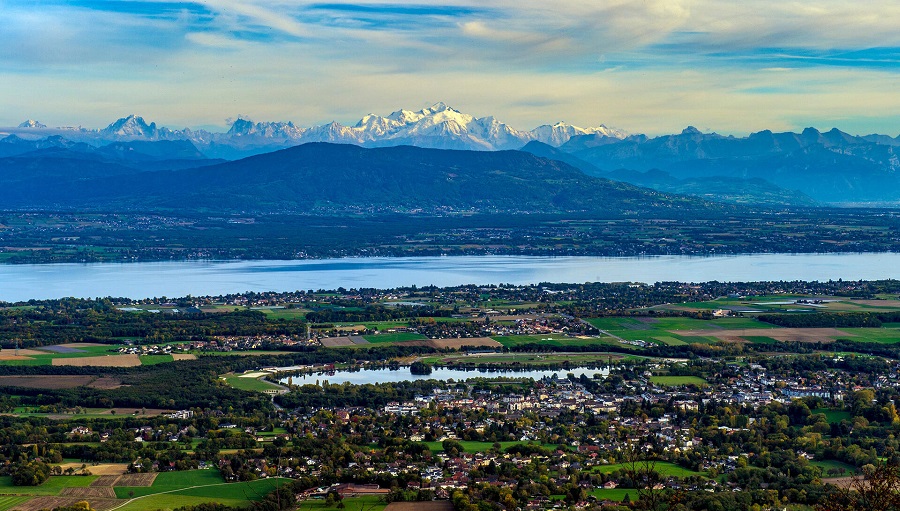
pixel 212 278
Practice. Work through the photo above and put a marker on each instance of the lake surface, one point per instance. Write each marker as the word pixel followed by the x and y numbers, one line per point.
pixel 437 373
pixel 198 278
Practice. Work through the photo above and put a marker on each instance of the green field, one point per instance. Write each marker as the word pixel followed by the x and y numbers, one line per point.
pixel 879 335
pixel 150 360
pixel 52 486
pixel 552 340
pixel 177 489
pixel 367 503
pixel 833 464
pixel 284 313
pixel 394 337
pixel 250 384
pixel 674 381
pixel 46 358
pixel 834 416
pixel 473 446
pixel 7 502
pixel 664 468
pixel 533 359
pixel 616 494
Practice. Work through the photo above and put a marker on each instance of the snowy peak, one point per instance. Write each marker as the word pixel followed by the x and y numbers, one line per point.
pixel 560 133
pixel 274 130
pixel 437 126
pixel 30 123
pixel 132 126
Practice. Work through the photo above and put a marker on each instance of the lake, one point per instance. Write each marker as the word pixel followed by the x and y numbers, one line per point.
pixel 438 373
pixel 198 278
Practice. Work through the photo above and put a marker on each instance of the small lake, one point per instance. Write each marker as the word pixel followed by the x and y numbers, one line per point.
pixel 199 278
pixel 386 375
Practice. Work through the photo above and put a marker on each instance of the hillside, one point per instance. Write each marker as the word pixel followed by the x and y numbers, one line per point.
pixel 338 179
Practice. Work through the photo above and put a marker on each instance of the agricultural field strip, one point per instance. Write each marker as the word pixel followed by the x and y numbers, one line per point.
pixel 129 501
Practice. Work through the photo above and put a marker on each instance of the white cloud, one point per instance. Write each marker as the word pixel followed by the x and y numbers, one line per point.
pixel 642 65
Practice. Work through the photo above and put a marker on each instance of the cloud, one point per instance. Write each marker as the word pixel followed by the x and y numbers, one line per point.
pixel 643 65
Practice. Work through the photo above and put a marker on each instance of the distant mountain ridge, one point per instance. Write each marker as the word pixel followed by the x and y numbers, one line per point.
pixel 829 167
pixel 438 127
pixel 799 169
pixel 338 179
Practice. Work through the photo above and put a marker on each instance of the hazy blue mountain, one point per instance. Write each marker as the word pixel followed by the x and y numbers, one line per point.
pixel 338 179
pixel 831 167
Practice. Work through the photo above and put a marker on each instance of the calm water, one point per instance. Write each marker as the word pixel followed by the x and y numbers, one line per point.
pixel 175 279
pixel 438 373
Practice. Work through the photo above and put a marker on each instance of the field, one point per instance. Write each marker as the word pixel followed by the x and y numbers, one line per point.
pixel 94 413
pixel 52 486
pixel 84 354
pixel 827 465
pixel 674 381
pixel 366 503
pixel 394 337
pixel 528 359
pixel 664 468
pixel 102 361
pixel 616 494
pixel 249 381
pixel 553 340
pixel 481 342
pixel 834 416
pixel 676 331
pixel 149 360
pixel 7 502
pixel 436 505
pixel 775 303
pixel 473 446
pixel 60 382
pixel 335 342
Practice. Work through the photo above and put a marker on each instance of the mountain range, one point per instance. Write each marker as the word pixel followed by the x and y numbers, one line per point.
pixel 338 179
pixel 764 168
pixel 438 127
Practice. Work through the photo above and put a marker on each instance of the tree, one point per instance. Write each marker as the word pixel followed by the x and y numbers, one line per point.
pixel 878 489
pixel 641 469
pixel 32 473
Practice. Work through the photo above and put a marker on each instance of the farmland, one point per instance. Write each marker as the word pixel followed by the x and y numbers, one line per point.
pixel 149 491
pixel 664 468
pixel 675 381
pixel 365 503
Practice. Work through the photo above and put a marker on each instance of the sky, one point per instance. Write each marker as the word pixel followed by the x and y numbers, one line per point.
pixel 644 66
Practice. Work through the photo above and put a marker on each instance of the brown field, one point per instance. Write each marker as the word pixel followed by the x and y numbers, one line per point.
pixel 840 482
pixel 105 480
pixel 104 470
pixel 38 503
pixel 102 492
pixel 352 328
pixel 13 357
pixel 101 361
pixel 47 382
pixel 136 480
pixel 105 383
pixel 23 352
pixel 143 412
pixel 434 505
pixel 780 334
pixel 458 343
pixel 184 356
pixel 332 342
pixel 877 303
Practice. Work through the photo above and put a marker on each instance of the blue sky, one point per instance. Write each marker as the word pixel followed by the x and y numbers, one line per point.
pixel 645 66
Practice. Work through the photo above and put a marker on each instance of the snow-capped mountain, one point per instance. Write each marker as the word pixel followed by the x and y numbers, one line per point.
pixel 438 126
pixel 31 123
pixel 133 127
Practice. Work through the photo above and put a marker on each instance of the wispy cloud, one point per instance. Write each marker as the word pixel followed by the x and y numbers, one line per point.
pixel 640 64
